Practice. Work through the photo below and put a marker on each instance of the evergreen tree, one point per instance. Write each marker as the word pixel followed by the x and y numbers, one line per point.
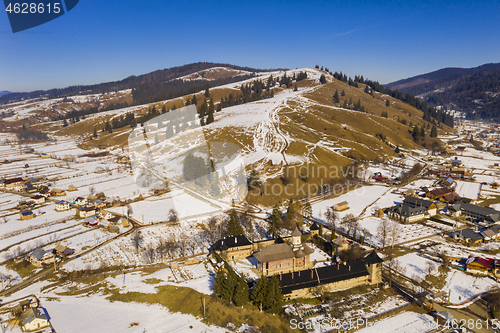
pixel 65 123
pixel 207 93
pixel 274 298
pixel 434 132
pixel 234 227
pixel 194 101
pixel 295 88
pixel 322 79
pixel 275 221
pixel 95 132
pixel 387 103
pixel 336 97
pixel 416 132
pixel 342 93
pixel 211 109
pixel 163 109
pixel 241 294
pixel 258 294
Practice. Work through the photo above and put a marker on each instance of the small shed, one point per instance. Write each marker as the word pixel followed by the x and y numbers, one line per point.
pixel 341 206
pixel 72 188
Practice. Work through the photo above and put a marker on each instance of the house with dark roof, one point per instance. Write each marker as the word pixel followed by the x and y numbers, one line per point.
pixel 38 199
pixel 86 212
pixel 467 235
pixel 33 319
pixel 419 202
pixel 233 248
pixel 487 215
pixel 438 193
pixel 305 283
pixel 40 257
pixel 407 213
pixel 314 229
pixel 284 257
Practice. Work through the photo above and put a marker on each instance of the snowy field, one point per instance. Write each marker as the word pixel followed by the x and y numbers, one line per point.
pixel 198 277
pixel 358 200
pixel 96 314
pixel 405 322
pixel 156 209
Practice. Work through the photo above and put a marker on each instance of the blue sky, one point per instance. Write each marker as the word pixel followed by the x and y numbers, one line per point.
pixel 101 41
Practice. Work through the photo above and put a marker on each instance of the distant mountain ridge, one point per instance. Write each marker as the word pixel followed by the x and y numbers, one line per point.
pixel 5 92
pixel 130 82
pixel 476 91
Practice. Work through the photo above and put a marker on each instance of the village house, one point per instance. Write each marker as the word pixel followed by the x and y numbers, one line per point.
pixel 63 251
pixel 86 212
pixel 418 202
pixel 340 276
pixel 91 221
pixel 62 206
pixel 33 319
pixel 280 258
pixel 438 193
pixel 341 206
pixel 27 215
pixel 407 213
pixel 57 192
pixel 72 188
pixel 38 199
pixel 484 215
pixel 41 257
pixel 314 229
pixel 468 236
pixel 12 183
pixel 80 201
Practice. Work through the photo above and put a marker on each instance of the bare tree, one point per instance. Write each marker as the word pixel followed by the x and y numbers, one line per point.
pixel 429 266
pixel 172 216
pixel 161 248
pixel 92 189
pixel 149 253
pixel 383 231
pixel 331 217
pixel 394 233
pixel 137 240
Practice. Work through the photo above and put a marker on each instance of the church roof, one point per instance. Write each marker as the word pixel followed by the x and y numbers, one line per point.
pixel 372 258
pixel 296 232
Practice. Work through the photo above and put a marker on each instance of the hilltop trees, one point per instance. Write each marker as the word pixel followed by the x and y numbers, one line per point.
pixel 322 79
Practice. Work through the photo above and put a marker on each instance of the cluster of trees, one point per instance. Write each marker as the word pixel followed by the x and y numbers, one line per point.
pixel 430 113
pixel 196 169
pixel 25 134
pixel 230 286
pixel 293 217
pixel 266 294
pixel 384 114
pixel 354 106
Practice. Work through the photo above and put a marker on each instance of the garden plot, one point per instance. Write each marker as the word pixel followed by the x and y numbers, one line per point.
pixel 350 307
pixel 405 322
pixel 456 250
pixel 96 314
pixel 196 277
pixel 155 209
pixel 463 287
pixel 27 241
pixel 115 185
pixel 87 239
pixel 14 222
pixel 357 199
pixel 9 201
pixel 121 252
pixel 408 232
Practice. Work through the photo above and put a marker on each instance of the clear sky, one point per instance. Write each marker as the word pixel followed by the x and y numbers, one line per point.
pixel 108 40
